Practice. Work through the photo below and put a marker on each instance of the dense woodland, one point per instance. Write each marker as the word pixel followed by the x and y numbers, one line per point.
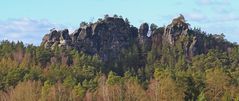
pixel 35 73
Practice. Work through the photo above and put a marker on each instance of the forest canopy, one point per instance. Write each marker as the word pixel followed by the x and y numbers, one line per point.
pixel 111 60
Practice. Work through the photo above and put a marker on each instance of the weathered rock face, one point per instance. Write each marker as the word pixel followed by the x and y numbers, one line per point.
pixel 112 37
pixel 65 38
pixel 184 40
pixel 143 29
pixel 56 38
pixel 175 35
pixel 143 40
pixel 107 38
pixel 175 29
pixel 157 38
pixel 75 35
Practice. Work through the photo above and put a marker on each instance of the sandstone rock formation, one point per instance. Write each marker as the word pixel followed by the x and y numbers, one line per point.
pixel 143 40
pixel 106 38
pixel 175 29
pixel 111 37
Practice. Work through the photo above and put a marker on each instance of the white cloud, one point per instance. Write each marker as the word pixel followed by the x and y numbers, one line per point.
pixel 230 17
pixel 195 16
pixel 213 11
pixel 25 29
pixel 217 18
pixel 213 2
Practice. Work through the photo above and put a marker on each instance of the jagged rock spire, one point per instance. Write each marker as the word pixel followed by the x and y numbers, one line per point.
pixel 175 29
pixel 181 18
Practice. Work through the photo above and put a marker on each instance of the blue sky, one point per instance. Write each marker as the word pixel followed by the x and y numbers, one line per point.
pixel 29 20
